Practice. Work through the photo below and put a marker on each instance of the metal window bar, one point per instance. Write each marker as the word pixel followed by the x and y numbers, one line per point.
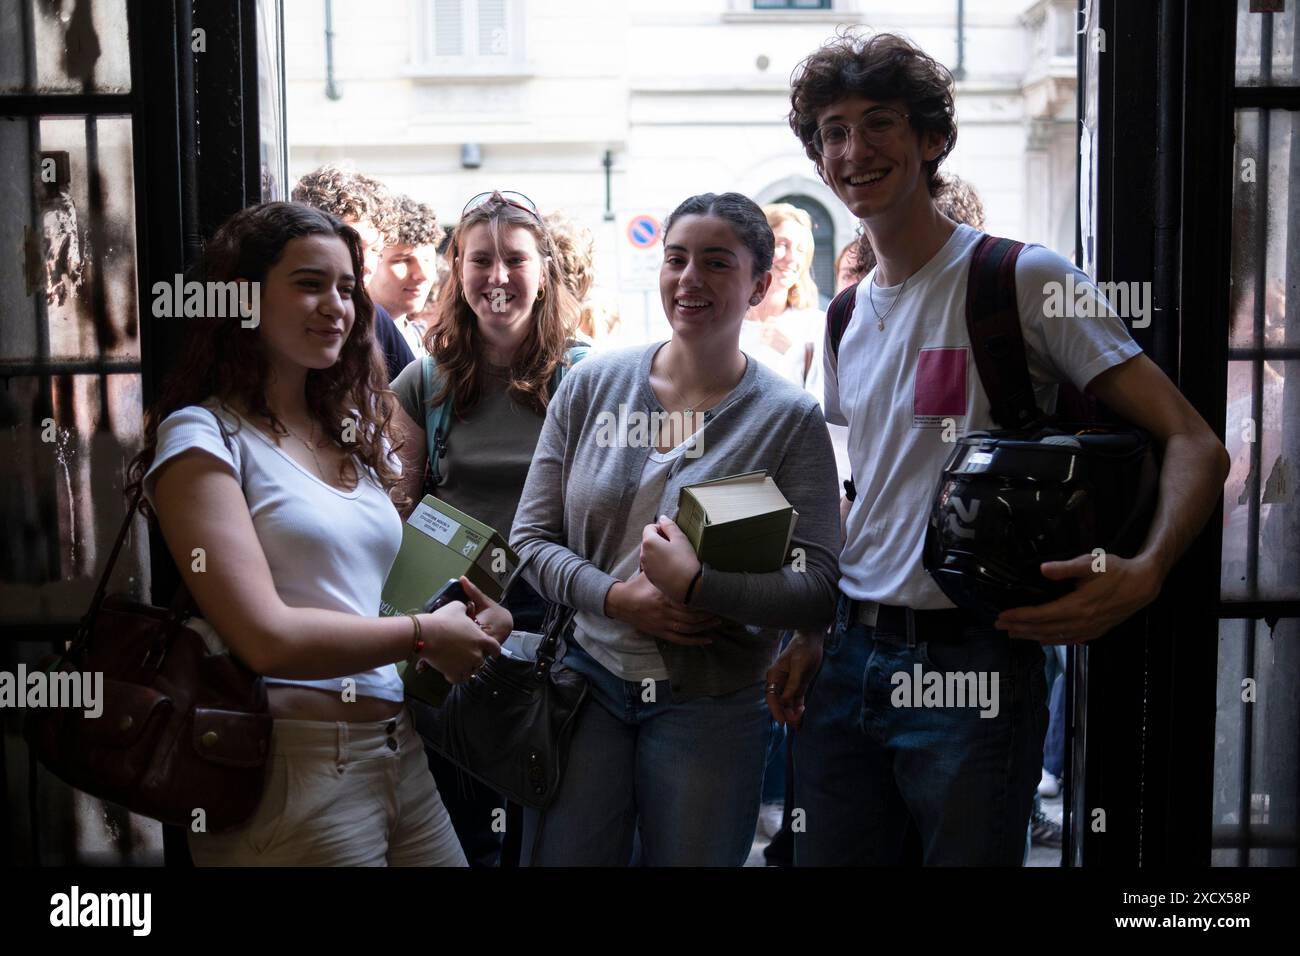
pixel 1266 99
pixel 1253 480
pixel 45 402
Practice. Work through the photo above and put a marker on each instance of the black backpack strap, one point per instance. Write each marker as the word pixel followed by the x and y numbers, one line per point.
pixel 997 343
pixel 838 315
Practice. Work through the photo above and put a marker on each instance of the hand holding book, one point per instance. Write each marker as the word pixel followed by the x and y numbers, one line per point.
pixel 668 558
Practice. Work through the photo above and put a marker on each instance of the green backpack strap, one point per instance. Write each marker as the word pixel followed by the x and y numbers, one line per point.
pixel 437 422
pixel 574 354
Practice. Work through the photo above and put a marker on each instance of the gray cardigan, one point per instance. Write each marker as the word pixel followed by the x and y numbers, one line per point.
pixel 578 494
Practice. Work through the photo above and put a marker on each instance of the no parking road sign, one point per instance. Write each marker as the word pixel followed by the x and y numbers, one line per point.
pixel 643 231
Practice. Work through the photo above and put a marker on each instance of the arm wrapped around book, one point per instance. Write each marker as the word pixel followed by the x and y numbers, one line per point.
pixel 801 593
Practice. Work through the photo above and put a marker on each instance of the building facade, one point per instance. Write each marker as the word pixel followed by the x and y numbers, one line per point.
pixel 615 110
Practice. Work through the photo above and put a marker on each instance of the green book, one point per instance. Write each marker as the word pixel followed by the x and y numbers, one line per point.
pixel 440 543
pixel 738 523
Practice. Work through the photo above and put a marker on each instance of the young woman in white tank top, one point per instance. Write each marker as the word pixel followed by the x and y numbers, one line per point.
pixel 267 463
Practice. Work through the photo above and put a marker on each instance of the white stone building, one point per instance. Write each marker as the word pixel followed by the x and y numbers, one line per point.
pixel 447 98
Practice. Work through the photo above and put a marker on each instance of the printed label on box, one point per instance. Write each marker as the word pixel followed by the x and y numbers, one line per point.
pixel 433 523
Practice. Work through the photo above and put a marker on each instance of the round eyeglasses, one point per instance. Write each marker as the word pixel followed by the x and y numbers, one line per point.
pixel 878 127
pixel 507 196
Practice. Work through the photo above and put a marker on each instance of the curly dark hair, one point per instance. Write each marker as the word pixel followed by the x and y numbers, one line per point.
pixel 410 223
pixel 348 195
pixel 228 363
pixel 882 66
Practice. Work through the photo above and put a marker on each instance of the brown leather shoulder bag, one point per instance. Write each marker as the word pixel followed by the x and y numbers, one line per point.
pixel 181 730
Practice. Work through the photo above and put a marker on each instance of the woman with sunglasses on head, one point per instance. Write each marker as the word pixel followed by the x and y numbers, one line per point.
pixel 501 340
pixel 268 454
pixel 673 740
pixel 497 349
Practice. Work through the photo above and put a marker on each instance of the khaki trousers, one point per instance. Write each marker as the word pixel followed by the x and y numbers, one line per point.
pixel 341 794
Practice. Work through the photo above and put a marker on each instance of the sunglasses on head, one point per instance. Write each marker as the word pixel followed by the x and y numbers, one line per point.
pixel 509 197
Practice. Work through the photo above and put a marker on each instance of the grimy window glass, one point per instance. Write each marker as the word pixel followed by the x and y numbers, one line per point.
pixel 1256 731
pixel 1261 510
pixel 1266 47
pixel 70 373
pixel 70 356
pixel 64 46
pixel 1258 699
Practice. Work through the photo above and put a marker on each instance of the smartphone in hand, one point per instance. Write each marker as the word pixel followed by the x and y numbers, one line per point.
pixel 453 590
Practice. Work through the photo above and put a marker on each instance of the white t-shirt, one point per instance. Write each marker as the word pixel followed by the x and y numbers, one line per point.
pixel 413 331
pixel 326 548
pixel 895 390
pixel 804 328
pixel 620 647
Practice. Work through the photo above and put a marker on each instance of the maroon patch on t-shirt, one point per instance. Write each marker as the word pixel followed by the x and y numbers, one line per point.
pixel 940 383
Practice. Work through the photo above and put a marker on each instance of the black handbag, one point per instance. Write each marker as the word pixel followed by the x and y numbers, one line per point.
pixel 510 725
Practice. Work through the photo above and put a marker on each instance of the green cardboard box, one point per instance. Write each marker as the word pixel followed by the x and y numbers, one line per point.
pixel 440 543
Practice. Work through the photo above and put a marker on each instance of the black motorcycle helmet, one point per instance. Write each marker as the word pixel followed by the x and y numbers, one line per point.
pixel 1008 501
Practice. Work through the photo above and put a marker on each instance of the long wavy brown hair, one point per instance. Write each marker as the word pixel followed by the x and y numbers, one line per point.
pixel 454 339
pixel 224 361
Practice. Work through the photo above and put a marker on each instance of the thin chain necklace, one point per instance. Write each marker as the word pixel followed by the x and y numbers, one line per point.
pixel 880 319
pixel 689 410
pixel 311 447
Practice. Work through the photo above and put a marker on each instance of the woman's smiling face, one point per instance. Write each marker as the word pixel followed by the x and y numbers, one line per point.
pixel 793 245
pixel 707 277
pixel 307 310
pixel 501 275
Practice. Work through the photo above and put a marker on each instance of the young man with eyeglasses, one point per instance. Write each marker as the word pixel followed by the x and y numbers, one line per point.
pixel 876 116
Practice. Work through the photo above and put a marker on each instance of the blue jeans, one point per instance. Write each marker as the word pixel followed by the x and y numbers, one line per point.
pixel 688 774
pixel 864 766
pixel 1054 746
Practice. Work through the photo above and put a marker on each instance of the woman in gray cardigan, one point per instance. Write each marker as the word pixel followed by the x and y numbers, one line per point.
pixel 673 740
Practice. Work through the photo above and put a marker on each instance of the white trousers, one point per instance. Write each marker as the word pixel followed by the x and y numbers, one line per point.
pixel 341 794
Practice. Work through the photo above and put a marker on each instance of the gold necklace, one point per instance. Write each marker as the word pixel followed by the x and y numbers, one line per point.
pixel 689 409
pixel 311 447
